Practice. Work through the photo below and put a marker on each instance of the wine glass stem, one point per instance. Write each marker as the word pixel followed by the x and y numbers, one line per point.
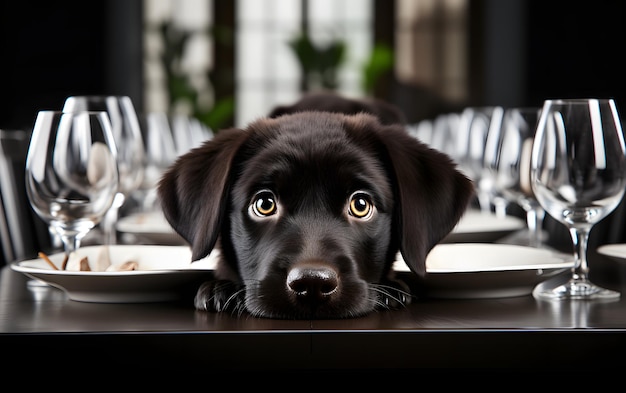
pixel 108 224
pixel 484 201
pixel 110 219
pixel 500 205
pixel 534 220
pixel 70 243
pixel 580 237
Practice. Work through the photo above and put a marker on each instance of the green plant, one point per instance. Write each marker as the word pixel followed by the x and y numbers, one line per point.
pixel 380 61
pixel 319 64
pixel 215 114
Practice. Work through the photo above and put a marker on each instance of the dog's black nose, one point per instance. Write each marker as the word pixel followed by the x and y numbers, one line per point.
pixel 315 283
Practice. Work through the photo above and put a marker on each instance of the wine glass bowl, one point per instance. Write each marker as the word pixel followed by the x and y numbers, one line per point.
pixel 127 134
pixel 160 153
pixel 511 168
pixel 478 128
pixel 578 175
pixel 71 172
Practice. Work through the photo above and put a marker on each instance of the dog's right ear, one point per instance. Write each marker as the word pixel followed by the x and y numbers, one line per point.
pixel 194 191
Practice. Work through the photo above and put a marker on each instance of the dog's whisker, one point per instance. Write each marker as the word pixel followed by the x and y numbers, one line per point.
pixel 237 300
pixel 233 298
pixel 385 291
pixel 378 303
pixel 377 296
pixel 395 289
pixel 401 297
pixel 239 309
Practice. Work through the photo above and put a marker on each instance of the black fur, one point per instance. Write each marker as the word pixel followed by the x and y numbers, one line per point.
pixel 312 258
pixel 331 102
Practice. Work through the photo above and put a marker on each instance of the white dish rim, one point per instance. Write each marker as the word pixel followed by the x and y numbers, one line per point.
pixel 39 266
pixel 128 224
pixel 615 250
pixel 562 261
pixel 505 224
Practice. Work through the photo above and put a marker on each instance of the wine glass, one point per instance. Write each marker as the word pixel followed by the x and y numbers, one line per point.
pixel 444 131
pixel 578 175
pixel 71 172
pixel 130 148
pixel 188 132
pixel 160 154
pixel 511 168
pixel 476 124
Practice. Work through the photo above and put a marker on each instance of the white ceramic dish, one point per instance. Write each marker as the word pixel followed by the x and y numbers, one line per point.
pixel 462 270
pixel 615 251
pixel 163 271
pixel 150 227
pixel 478 227
pixel 476 270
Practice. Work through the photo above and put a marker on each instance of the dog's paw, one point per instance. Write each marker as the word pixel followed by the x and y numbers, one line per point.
pixel 218 296
pixel 395 294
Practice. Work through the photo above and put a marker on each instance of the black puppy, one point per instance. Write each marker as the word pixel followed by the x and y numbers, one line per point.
pixel 309 211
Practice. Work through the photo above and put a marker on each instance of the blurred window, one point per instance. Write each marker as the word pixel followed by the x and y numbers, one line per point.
pixel 192 17
pixel 267 71
pixel 431 46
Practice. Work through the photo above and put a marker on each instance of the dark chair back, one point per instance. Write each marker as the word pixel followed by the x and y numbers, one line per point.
pixel 22 233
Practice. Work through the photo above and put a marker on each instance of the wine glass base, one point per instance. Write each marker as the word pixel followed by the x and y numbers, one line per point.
pixel 574 289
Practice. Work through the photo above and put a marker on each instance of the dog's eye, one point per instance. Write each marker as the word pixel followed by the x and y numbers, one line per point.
pixel 361 205
pixel 263 204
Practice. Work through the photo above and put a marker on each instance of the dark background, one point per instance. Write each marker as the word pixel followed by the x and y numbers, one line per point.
pixel 576 49
pixel 52 49
pixel 521 52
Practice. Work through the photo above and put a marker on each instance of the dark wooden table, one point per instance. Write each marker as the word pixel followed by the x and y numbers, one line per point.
pixel 496 333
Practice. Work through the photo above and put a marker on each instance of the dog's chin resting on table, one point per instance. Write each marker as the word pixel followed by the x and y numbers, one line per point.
pixel 309 210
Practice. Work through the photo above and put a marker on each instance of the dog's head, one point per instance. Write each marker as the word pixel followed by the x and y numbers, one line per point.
pixel 310 209
pixel 328 101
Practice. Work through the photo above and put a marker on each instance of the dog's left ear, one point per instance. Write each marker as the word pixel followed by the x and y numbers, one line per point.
pixel 431 194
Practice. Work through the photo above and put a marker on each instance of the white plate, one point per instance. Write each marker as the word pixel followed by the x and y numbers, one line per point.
pixel 478 227
pixel 475 270
pixel 163 273
pixel 151 226
pixel 615 251
pixel 471 270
